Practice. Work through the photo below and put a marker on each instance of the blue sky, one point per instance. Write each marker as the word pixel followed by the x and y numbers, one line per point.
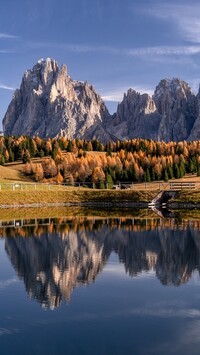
pixel 113 44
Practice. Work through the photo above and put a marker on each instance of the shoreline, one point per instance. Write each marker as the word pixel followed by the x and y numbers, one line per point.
pixel 137 205
pixel 185 199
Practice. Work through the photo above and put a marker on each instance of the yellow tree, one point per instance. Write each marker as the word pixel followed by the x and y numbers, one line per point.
pixel 98 174
pixel 39 173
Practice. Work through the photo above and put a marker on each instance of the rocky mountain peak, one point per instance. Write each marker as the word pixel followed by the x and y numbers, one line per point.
pixel 131 94
pixel 177 107
pixel 43 72
pixel 172 88
pixel 49 104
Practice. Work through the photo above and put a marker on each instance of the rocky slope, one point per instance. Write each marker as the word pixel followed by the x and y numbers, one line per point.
pixel 136 116
pixel 170 115
pixel 50 104
pixel 178 109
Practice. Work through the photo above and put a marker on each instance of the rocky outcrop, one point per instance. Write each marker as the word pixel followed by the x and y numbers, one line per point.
pixel 178 109
pixel 195 131
pixel 170 115
pixel 134 114
pixel 50 104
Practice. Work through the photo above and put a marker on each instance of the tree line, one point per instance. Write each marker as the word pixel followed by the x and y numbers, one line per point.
pixel 71 161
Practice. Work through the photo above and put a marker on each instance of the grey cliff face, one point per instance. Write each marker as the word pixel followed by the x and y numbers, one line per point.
pixel 195 131
pixel 134 114
pixel 50 104
pixel 177 107
pixel 170 115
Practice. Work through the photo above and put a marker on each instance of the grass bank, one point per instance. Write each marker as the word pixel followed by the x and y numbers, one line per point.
pixel 73 196
pixel 190 197
pixel 80 196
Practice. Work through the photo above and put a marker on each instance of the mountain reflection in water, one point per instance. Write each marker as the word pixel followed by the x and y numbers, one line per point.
pixel 54 259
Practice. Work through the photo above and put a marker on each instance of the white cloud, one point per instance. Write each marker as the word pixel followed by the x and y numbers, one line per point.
pixel 7 36
pixel 113 96
pixel 186 50
pixel 164 50
pixel 6 87
pixel 116 95
pixel 185 17
pixel 5 51
pixel 194 84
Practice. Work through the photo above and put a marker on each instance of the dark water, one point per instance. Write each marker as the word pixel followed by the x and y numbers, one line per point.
pixel 100 286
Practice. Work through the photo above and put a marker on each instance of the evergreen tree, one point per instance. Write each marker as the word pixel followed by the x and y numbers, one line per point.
pixel 132 174
pixel 18 151
pixel 109 181
pixel 2 160
pixel 124 175
pixel 170 172
pixel 54 151
pixel 191 166
pixel 101 184
pixel 165 175
pixel 152 174
pixel 69 147
pixel 182 169
pixel 11 154
pixel 198 170
pixel 32 148
pixel 176 171
pixel 26 157
pixel 148 177
pixel 41 153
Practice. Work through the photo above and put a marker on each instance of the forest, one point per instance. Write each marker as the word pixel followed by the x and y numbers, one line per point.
pixel 68 161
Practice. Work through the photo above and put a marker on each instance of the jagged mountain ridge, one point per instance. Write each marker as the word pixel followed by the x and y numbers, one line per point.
pixel 50 104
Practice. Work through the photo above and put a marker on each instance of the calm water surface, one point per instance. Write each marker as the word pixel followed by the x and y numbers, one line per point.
pixel 100 286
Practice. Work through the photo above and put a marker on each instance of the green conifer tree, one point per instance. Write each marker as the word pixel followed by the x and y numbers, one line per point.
pixel 109 181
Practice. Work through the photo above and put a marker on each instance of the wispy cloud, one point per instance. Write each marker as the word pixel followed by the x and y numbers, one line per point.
pixel 185 17
pixel 164 50
pixel 151 51
pixel 6 87
pixel 7 36
pixel 116 95
pixel 6 51
pixel 194 84
pixel 72 47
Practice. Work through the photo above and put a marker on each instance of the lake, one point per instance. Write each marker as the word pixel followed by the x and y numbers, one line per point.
pixel 97 285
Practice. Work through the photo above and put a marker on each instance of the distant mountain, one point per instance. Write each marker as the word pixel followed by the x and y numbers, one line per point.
pixel 50 104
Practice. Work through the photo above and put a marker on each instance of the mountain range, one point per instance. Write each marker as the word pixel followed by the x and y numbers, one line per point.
pixel 50 104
